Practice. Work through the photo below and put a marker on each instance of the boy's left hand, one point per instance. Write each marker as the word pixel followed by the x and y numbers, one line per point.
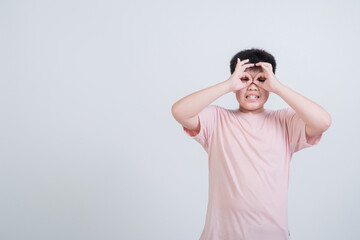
pixel 267 79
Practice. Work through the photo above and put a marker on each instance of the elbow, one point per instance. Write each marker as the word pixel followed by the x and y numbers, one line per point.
pixel 178 112
pixel 324 122
pixel 327 122
pixel 174 110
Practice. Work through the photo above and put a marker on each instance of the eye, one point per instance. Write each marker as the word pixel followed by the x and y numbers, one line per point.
pixel 261 79
pixel 244 79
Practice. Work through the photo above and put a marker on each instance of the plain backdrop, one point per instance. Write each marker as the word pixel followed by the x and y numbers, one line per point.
pixel 89 148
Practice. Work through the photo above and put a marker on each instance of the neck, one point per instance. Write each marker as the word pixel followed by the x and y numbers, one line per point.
pixel 256 111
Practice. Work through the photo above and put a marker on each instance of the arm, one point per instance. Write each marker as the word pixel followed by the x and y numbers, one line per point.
pixel 186 110
pixel 316 118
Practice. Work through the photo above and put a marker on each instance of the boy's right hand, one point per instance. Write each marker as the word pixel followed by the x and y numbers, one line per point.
pixel 239 78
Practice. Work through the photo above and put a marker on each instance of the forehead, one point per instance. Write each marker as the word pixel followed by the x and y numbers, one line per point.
pixel 253 71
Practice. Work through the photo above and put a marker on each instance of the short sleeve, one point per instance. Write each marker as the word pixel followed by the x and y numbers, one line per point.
pixel 297 132
pixel 207 118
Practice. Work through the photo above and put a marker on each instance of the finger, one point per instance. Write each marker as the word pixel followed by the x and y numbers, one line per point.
pixel 260 78
pixel 266 68
pixel 259 84
pixel 264 65
pixel 261 64
pixel 245 66
pixel 245 77
pixel 240 63
pixel 243 61
pixel 262 87
pixel 260 75
pixel 247 84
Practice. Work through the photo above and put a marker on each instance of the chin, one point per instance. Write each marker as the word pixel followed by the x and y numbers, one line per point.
pixel 251 106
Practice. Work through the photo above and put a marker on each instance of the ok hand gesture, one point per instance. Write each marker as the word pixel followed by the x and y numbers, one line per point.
pixel 235 80
pixel 267 79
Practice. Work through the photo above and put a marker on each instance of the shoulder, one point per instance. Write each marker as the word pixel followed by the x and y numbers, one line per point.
pixel 281 115
pixel 223 111
pixel 282 112
pixel 218 112
pixel 215 108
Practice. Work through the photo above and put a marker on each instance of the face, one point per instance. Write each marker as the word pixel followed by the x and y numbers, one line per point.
pixel 254 105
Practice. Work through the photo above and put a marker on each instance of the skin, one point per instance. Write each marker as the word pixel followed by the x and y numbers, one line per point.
pixel 316 118
pixel 244 104
pixel 246 79
pixel 262 81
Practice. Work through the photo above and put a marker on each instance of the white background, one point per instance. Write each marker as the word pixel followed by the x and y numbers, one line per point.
pixel 89 148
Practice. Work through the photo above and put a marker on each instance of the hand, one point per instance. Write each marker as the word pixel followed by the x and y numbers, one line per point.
pixel 267 79
pixel 235 80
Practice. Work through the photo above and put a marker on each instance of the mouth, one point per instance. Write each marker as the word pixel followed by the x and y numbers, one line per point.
pixel 252 98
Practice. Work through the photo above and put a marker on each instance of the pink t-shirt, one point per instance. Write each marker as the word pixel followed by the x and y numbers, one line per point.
pixel 249 160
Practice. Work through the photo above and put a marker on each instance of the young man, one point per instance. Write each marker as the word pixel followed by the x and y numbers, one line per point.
pixel 250 148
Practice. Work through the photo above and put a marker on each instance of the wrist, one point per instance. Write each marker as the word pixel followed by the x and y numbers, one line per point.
pixel 279 89
pixel 227 85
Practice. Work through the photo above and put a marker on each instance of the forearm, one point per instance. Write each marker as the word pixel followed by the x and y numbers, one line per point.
pixel 194 103
pixel 310 112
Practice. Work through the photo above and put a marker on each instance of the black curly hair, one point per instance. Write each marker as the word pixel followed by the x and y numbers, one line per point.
pixel 254 55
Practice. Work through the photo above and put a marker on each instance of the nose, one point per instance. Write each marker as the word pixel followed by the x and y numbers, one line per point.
pixel 252 86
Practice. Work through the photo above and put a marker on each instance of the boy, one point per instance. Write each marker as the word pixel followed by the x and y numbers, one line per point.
pixel 250 148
